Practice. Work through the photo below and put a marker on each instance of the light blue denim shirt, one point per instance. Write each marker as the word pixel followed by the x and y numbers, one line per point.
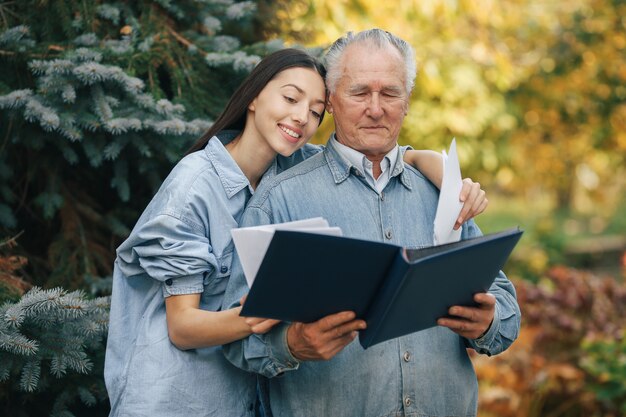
pixel 181 244
pixel 427 373
pixel 366 167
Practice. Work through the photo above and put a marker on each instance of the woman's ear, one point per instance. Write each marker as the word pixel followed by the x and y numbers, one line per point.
pixel 252 105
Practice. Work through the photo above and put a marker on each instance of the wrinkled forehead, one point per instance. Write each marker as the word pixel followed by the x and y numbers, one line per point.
pixel 366 63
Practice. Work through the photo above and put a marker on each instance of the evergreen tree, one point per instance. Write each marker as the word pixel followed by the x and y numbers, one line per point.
pixel 98 100
pixel 43 337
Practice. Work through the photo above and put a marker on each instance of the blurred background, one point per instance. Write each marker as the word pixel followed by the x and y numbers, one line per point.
pixel 99 99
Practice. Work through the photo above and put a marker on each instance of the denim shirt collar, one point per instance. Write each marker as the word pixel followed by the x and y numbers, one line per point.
pixel 341 168
pixel 232 178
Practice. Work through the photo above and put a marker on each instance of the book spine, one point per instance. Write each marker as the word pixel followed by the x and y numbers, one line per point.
pixel 375 315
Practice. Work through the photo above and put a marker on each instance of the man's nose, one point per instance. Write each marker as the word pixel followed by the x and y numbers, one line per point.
pixel 374 107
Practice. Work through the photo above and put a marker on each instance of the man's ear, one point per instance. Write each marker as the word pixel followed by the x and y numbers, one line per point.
pixel 329 105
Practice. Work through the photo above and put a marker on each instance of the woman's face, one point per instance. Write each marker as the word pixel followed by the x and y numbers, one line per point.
pixel 287 112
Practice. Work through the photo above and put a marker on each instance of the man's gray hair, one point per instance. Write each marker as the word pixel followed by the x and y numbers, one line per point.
pixel 376 37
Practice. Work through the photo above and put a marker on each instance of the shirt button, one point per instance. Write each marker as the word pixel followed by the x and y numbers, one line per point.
pixel 407 356
pixel 168 281
pixel 382 196
pixel 224 269
pixel 388 234
pixel 407 401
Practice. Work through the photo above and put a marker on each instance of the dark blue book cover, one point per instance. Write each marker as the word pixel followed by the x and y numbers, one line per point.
pixel 305 276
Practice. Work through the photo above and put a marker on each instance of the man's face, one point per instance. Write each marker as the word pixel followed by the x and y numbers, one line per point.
pixel 370 99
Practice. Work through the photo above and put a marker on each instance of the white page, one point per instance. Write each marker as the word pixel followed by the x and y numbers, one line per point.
pixel 252 242
pixel 449 207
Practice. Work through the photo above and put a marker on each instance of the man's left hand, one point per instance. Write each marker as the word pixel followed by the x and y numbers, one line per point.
pixel 471 322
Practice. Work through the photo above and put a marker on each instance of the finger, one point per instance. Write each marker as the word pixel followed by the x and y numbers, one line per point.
pixel 243 299
pixel 264 326
pixel 485 299
pixel 458 326
pixel 469 190
pixel 467 313
pixel 471 202
pixel 462 328
pixel 464 190
pixel 348 328
pixel 476 203
pixel 331 321
pixel 253 321
pixel 483 206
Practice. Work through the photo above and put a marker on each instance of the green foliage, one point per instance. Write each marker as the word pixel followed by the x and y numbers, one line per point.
pixel 605 361
pixel 98 100
pixel 579 320
pixel 533 91
pixel 569 358
pixel 48 345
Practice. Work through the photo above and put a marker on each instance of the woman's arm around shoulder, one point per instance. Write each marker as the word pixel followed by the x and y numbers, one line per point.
pixel 430 163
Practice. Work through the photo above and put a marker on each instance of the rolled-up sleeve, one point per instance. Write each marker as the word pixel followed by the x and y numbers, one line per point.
pixel 171 250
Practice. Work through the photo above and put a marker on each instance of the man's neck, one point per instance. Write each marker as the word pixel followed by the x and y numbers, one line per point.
pixel 378 167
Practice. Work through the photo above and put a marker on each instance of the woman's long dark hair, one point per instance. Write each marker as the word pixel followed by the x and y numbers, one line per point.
pixel 234 114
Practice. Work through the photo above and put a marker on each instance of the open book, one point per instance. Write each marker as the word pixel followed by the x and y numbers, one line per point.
pixel 306 276
pixel 252 242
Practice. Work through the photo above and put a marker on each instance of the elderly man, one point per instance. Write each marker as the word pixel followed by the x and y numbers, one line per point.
pixel 360 184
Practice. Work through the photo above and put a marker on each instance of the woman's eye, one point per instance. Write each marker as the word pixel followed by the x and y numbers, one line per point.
pixel 316 114
pixel 290 99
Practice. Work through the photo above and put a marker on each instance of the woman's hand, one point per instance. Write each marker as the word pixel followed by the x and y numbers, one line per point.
pixel 474 201
pixel 258 325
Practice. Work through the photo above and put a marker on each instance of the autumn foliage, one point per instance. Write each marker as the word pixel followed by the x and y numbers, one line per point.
pixel 570 358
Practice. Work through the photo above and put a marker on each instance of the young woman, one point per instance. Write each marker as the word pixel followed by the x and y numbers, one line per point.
pixel 166 324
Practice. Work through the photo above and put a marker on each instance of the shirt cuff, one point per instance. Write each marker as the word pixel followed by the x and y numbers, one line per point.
pixel 190 284
pixel 484 341
pixel 281 358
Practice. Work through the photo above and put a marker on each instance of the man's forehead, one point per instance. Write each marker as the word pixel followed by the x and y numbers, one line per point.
pixel 366 79
pixel 364 64
pixel 393 84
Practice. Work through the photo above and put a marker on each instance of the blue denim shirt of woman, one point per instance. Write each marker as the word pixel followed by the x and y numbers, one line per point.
pixel 181 244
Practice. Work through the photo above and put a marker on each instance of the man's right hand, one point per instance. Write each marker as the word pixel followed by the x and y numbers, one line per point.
pixel 323 339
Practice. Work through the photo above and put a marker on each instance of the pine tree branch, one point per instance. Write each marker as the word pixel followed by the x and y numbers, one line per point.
pixel 43 56
pixel 12 241
pixel 4 11
pixel 186 42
